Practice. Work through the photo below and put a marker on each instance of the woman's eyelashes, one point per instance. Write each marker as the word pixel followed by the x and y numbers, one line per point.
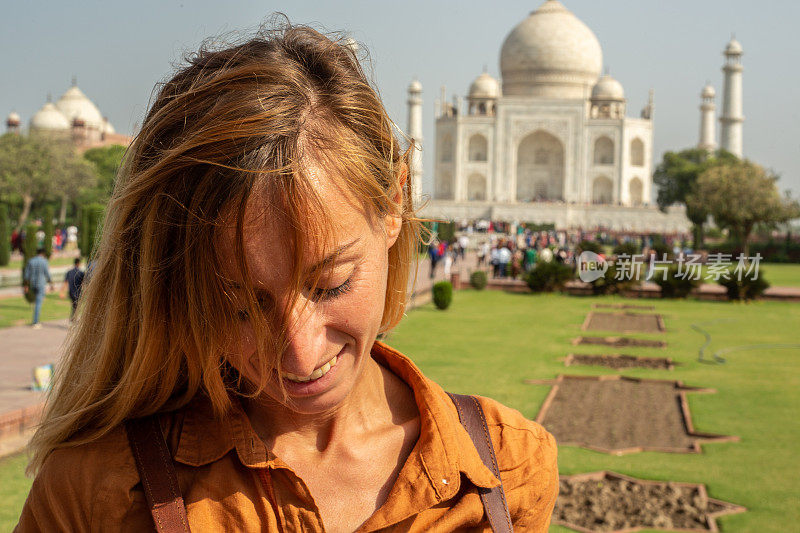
pixel 317 295
pixel 323 294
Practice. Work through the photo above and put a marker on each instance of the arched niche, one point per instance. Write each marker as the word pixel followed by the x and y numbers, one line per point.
pixel 602 190
pixel 603 151
pixel 477 148
pixel 637 153
pixel 540 168
pixel 636 191
pixel 476 188
pixel 445 187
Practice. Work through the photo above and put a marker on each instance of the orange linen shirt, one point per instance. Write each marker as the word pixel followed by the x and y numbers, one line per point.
pixel 220 463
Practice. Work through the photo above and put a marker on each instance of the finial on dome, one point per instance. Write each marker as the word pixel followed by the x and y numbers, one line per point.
pixel 74 80
pixel 49 97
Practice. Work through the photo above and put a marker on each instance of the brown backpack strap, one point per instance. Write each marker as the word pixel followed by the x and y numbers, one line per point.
pixel 157 473
pixel 494 499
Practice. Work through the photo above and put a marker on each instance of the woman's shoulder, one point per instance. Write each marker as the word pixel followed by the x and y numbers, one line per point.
pixel 523 447
pixel 526 455
pixel 88 484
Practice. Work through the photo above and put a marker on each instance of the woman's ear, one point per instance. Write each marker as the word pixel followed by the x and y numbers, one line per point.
pixel 394 223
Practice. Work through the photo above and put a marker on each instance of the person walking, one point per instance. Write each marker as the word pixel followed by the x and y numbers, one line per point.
pixel 73 281
pixel 36 277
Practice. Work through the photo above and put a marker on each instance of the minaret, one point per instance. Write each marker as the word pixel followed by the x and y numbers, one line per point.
pixel 731 119
pixel 708 137
pixel 414 131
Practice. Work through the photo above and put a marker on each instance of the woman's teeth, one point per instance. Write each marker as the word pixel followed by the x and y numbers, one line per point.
pixel 316 374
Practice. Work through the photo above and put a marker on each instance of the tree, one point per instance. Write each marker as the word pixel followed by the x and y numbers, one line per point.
pixel 676 176
pixel 741 195
pixel 106 160
pixel 25 163
pixel 47 227
pixel 5 236
pixel 71 174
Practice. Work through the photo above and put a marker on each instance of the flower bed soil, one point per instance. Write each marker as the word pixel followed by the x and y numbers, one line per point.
pixel 607 501
pixel 620 342
pixel 619 361
pixel 625 306
pixel 624 322
pixel 616 414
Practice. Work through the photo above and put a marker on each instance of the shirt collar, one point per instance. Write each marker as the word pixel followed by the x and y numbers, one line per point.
pixel 443 451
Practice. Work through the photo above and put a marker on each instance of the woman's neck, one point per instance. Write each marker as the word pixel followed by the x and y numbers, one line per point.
pixel 366 409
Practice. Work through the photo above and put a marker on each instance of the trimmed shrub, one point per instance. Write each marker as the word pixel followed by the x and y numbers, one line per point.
pixel 627 248
pixel 446 231
pixel 5 236
pixel 674 286
pixel 47 226
pixel 29 246
pixel 661 248
pixel 442 294
pixel 91 221
pixel 548 277
pixel 590 246
pixel 748 288
pixel 478 280
pixel 609 284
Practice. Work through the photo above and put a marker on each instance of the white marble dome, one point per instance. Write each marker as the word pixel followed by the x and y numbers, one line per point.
pixel 74 104
pixel 708 92
pixel 13 118
pixel 49 118
pixel 607 88
pixel 550 54
pixel 415 86
pixel 484 86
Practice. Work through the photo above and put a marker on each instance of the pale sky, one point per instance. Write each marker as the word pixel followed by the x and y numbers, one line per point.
pixel 119 50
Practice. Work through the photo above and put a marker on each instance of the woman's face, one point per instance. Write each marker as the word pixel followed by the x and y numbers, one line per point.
pixel 332 328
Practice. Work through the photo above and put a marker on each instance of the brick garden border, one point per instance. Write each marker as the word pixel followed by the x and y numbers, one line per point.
pixel 699 437
pixel 611 341
pixel 728 508
pixel 570 360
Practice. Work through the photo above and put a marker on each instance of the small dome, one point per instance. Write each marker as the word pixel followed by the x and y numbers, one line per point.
pixel 708 92
pixel 607 88
pixel 484 86
pixel 550 54
pixel 733 48
pixel 108 128
pixel 49 118
pixel 13 118
pixel 75 104
pixel 415 86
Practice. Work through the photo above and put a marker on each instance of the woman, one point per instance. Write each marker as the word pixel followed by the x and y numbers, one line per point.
pixel 259 239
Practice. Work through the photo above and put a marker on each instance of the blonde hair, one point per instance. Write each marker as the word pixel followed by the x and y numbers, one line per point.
pixel 232 124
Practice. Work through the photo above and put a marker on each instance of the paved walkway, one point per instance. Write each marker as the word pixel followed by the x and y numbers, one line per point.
pixel 21 349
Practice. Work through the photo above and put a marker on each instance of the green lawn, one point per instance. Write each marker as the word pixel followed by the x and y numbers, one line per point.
pixel 488 342
pixel 14 488
pixel 16 264
pixel 18 312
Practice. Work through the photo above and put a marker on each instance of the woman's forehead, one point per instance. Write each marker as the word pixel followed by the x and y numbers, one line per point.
pixel 270 234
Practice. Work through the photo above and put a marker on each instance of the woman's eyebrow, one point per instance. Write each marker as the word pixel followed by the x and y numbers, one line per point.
pixel 331 257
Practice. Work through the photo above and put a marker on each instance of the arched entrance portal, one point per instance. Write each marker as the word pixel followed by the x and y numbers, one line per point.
pixel 540 168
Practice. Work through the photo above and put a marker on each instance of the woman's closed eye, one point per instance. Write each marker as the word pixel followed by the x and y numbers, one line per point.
pixel 325 293
pixel 317 295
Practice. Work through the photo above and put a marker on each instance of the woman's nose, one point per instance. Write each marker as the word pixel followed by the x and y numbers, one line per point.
pixel 305 340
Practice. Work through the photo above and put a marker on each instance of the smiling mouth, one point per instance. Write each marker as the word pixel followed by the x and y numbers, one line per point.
pixel 316 374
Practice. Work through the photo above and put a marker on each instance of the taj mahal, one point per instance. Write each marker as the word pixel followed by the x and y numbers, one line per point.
pixel 552 142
